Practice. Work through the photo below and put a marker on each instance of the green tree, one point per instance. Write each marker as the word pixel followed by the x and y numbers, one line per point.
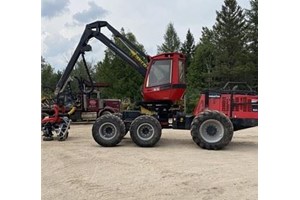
pixel 252 38
pixel 252 19
pixel 48 78
pixel 188 48
pixel 199 74
pixel 172 41
pixel 230 34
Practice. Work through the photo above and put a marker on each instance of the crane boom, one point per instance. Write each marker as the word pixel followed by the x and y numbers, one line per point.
pixel 93 30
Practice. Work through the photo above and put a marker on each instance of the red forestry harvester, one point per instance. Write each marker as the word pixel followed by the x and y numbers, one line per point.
pixel 212 124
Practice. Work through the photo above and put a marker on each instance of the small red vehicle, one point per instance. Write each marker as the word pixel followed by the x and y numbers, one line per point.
pixel 59 123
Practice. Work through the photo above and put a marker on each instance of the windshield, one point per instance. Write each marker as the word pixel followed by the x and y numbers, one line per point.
pixel 160 73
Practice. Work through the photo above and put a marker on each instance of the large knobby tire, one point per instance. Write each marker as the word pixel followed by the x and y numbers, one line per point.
pixel 212 130
pixel 108 130
pixel 145 131
pixel 120 115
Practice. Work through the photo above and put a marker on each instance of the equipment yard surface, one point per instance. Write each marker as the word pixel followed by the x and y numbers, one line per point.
pixel 176 168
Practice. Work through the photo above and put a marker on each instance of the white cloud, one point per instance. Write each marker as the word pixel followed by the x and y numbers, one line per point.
pixel 58 49
pixel 58 41
pixel 92 13
pixel 52 8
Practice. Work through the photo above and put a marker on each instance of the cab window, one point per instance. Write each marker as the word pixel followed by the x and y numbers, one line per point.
pixel 160 73
pixel 181 72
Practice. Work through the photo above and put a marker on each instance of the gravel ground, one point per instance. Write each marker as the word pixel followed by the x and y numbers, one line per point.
pixel 176 168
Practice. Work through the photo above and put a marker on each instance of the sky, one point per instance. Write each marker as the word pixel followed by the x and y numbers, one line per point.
pixel 63 22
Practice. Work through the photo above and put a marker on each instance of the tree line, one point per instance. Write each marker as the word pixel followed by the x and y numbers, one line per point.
pixel 228 51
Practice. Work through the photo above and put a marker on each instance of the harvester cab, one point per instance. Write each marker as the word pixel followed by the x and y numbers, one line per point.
pixel 165 78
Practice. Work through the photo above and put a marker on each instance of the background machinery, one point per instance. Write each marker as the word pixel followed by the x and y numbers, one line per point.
pixel 89 106
pixel 212 124
pixel 58 122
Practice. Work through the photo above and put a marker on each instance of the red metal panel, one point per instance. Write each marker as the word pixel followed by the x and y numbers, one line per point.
pixel 245 106
pixel 200 106
pixel 113 103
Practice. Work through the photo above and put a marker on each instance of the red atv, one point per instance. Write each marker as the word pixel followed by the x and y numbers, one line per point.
pixel 59 122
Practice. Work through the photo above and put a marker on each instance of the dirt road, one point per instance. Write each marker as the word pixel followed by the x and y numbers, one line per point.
pixel 175 169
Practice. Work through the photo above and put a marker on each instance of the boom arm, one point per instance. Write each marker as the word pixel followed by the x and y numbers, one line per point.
pixel 93 30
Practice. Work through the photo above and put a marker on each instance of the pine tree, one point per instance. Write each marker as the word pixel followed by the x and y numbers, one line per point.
pixel 252 18
pixel 230 30
pixel 252 39
pixel 203 63
pixel 200 70
pixel 188 48
pixel 172 41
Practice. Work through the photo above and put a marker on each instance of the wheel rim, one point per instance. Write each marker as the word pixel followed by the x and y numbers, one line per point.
pixel 211 131
pixel 107 131
pixel 145 131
